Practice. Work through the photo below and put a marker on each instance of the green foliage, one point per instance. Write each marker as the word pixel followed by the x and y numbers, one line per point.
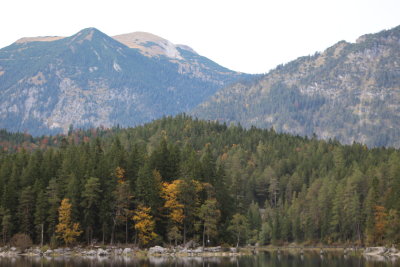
pixel 231 185
pixel 91 200
pixel 239 226
pixel 210 216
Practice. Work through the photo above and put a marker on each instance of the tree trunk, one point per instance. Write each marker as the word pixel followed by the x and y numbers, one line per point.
pixel 136 238
pixel 104 233
pixel 112 232
pixel 88 235
pixel 41 235
pixel 126 230
pixel 184 233
pixel 204 234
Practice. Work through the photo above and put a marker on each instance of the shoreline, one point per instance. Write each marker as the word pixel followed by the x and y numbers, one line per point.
pixel 158 251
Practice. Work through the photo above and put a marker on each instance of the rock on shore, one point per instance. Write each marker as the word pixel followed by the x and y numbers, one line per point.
pixel 382 251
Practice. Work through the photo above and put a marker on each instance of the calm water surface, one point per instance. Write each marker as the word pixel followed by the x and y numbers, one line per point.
pixel 263 259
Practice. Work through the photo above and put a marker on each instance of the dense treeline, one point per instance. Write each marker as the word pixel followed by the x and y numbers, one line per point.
pixel 180 179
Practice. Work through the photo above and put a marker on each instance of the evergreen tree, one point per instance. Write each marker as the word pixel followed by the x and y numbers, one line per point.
pixel 239 226
pixel 6 224
pixel 41 215
pixel 25 211
pixel 148 187
pixel 53 198
pixel 90 204
pixel 209 214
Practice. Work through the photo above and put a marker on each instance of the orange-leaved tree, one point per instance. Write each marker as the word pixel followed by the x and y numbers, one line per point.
pixel 170 192
pixel 67 230
pixel 144 224
pixel 380 223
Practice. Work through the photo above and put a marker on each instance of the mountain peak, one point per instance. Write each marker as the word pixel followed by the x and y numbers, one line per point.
pixel 391 35
pixel 149 44
pixel 87 34
pixel 91 79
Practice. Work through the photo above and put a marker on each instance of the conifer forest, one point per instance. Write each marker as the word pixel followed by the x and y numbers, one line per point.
pixel 180 179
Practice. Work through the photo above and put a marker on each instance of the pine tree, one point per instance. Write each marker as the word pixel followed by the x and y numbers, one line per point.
pixel 165 159
pixel 209 169
pixel 337 213
pixel 6 224
pixel 254 218
pixel 73 193
pixel 189 197
pixel 148 187
pixel 53 197
pixel 392 231
pixel 273 187
pixel 239 226
pixel 41 214
pixel 210 216
pixel 25 210
pixel 90 203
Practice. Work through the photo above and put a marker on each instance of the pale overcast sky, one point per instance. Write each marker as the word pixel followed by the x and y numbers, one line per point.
pixel 245 35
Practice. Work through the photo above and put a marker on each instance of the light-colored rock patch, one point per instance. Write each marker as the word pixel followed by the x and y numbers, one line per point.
pixel 38 79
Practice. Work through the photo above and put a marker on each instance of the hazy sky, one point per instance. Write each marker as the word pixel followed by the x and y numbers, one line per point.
pixel 244 35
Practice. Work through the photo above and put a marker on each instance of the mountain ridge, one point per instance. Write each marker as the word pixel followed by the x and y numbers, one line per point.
pixel 90 79
pixel 349 92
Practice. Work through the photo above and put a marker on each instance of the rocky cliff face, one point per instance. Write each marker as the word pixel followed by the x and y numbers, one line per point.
pixel 350 92
pixel 91 79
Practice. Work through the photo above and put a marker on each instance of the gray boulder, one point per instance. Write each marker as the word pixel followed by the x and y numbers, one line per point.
pixel 127 251
pixel 213 249
pixel 375 251
pixel 90 252
pixel 157 250
pixel 48 252
pixel 102 252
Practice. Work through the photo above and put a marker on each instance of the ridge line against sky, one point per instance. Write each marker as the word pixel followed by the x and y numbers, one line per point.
pixel 251 36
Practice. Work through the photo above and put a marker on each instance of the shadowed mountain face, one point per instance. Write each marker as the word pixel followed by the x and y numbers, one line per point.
pixel 350 92
pixel 91 79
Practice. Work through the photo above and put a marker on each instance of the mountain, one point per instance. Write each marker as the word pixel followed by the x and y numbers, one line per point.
pixel 350 92
pixel 90 79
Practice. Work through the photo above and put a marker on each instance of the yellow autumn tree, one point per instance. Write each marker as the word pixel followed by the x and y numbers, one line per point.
pixel 120 174
pixel 380 223
pixel 144 224
pixel 67 230
pixel 170 193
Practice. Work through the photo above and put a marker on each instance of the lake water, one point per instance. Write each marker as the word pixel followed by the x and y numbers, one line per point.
pixel 262 259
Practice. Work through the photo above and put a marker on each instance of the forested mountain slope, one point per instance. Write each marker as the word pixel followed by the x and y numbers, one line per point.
pixel 192 178
pixel 91 79
pixel 350 92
